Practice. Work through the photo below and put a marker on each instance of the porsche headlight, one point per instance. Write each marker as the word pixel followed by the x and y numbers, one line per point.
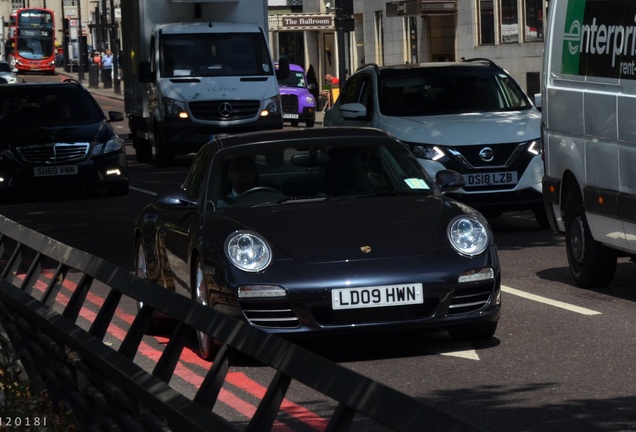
pixel 248 251
pixel 468 235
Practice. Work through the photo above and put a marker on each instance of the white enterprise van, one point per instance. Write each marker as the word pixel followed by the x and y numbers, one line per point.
pixel 589 133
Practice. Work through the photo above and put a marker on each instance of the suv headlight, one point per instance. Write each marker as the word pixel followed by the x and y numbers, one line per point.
pixel 535 147
pixel 468 235
pixel 425 151
pixel 248 251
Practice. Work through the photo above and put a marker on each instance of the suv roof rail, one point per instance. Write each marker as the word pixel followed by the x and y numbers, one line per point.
pixel 483 60
pixel 373 66
pixel 72 80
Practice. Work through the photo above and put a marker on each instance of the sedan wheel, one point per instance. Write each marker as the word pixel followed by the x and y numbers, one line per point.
pixel 207 345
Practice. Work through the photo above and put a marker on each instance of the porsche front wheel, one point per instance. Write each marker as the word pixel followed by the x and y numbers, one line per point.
pixel 141 270
pixel 208 347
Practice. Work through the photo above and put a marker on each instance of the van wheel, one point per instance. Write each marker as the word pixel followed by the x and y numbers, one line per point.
pixel 163 154
pixel 592 264
pixel 143 150
pixel 310 123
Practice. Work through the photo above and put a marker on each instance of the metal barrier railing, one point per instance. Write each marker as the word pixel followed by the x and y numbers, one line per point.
pixel 106 390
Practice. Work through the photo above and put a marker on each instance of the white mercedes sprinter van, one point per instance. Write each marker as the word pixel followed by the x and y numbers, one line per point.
pixel 589 133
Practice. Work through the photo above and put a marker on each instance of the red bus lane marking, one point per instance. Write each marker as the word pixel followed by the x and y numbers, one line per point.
pixel 242 381
pixel 237 379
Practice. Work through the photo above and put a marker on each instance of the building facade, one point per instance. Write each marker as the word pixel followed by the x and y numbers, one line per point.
pixel 509 32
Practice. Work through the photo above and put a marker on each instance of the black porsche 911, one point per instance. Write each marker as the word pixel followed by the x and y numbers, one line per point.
pixel 318 231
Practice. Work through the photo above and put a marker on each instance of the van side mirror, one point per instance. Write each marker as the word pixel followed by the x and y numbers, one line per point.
pixel 145 72
pixel 282 73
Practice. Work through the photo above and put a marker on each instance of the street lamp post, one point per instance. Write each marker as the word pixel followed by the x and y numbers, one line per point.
pixel 80 43
pixel 114 45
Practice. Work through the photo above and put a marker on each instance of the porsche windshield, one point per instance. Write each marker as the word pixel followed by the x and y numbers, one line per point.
pixel 292 173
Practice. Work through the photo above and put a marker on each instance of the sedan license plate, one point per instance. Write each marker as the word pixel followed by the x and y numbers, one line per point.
pixel 377 296
pixel 491 179
pixel 290 116
pixel 59 170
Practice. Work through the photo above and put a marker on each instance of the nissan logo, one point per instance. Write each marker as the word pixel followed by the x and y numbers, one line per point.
pixel 225 109
pixel 487 154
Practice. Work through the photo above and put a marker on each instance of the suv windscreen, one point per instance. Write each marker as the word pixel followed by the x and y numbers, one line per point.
pixel 438 91
pixel 36 105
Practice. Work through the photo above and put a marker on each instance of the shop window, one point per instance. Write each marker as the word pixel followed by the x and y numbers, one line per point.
pixel 509 21
pixel 486 22
pixel 534 20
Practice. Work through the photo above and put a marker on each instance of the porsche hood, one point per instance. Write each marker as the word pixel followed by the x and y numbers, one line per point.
pixel 351 229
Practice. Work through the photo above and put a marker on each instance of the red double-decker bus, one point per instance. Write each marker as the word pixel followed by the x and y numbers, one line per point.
pixel 33 43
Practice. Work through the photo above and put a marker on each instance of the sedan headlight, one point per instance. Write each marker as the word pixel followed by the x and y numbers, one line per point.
pixel 468 235
pixel 112 145
pixel 247 251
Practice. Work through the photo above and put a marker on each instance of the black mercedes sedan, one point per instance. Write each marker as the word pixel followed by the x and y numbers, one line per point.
pixel 322 231
pixel 55 136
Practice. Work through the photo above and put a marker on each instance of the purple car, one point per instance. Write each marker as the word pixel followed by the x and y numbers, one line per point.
pixel 299 105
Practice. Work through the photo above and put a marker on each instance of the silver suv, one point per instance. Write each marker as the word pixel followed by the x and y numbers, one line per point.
pixel 469 116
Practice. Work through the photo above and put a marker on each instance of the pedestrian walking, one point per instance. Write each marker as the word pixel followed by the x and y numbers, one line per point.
pixel 107 69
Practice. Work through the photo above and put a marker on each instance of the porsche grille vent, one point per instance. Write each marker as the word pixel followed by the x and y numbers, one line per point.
pixel 53 153
pixel 469 300
pixel 272 315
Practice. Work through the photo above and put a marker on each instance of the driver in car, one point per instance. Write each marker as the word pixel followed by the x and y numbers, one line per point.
pixel 243 175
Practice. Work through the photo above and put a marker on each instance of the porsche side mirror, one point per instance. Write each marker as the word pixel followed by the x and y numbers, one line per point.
pixel 176 201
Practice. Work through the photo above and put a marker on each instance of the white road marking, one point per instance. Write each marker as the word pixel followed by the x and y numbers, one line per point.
pixel 456 349
pixel 545 300
pixel 147 192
